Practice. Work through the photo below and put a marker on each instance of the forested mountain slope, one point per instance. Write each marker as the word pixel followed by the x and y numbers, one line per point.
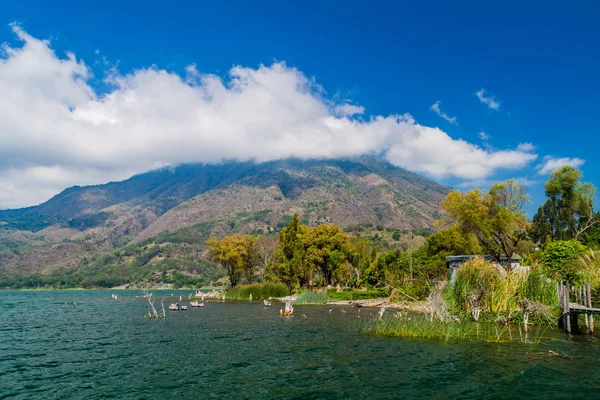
pixel 82 225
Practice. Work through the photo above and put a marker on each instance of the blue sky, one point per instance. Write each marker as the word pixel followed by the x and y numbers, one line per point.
pixel 538 62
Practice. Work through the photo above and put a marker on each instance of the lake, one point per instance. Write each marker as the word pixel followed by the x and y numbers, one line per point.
pixel 102 348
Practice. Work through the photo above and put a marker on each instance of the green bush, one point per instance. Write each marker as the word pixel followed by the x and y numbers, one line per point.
pixel 311 298
pixel 480 283
pixel 258 291
pixel 560 259
pixel 353 295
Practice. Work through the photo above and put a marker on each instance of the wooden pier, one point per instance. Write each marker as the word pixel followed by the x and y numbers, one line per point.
pixel 574 301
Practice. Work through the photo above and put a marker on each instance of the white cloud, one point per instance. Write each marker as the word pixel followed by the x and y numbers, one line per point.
pixel 481 184
pixel 436 109
pixel 489 101
pixel 349 110
pixel 57 131
pixel 484 136
pixel 485 184
pixel 550 164
pixel 525 147
pixel 524 181
pixel 30 185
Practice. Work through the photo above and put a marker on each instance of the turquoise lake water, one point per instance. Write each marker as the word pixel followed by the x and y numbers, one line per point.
pixel 102 348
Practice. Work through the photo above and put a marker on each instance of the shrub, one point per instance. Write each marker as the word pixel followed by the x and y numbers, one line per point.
pixel 560 259
pixel 480 284
pixel 357 294
pixel 258 291
pixel 311 298
pixel 475 279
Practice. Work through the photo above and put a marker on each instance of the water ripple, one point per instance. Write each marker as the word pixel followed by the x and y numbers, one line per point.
pixel 99 348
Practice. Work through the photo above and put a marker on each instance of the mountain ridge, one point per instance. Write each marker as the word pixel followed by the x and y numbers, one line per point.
pixel 81 223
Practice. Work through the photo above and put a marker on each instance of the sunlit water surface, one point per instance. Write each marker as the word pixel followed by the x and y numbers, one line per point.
pixel 51 348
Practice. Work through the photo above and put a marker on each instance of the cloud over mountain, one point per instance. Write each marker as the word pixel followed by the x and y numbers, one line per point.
pixel 58 130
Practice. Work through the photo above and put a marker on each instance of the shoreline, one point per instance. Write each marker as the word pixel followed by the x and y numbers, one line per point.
pixel 367 303
pixel 101 288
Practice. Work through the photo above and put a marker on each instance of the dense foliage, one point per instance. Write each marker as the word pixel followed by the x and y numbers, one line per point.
pixel 480 285
pixel 497 219
pixel 305 257
pixel 561 259
pixel 258 291
pixel 569 210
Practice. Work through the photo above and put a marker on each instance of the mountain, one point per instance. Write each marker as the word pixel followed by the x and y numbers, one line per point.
pixel 186 204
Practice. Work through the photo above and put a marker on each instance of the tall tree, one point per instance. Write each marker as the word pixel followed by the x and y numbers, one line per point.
pixel 569 210
pixel 496 219
pixel 360 256
pixel 234 253
pixel 326 249
pixel 452 242
pixel 290 253
pixel 265 254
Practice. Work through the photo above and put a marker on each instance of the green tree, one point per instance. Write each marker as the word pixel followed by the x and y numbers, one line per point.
pixel 496 219
pixel 360 251
pixel 396 236
pixel 591 237
pixel 560 259
pixel 569 210
pixel 290 253
pixel 374 268
pixel 452 241
pixel 325 248
pixel 234 253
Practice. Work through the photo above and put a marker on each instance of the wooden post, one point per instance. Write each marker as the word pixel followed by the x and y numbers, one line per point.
pixel 587 318
pixel 584 297
pixel 561 298
pixel 574 325
pixel 588 289
pixel 566 319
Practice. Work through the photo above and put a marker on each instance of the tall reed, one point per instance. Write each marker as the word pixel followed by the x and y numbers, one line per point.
pixel 537 287
pixel 480 284
pixel 311 298
pixel 402 324
pixel 258 291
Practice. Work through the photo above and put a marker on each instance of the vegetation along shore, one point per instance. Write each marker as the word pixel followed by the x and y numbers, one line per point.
pixel 325 263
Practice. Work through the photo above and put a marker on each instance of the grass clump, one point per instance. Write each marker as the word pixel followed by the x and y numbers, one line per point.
pixel 307 298
pixel 539 288
pixel 402 324
pixel 357 294
pixel 481 287
pixel 258 291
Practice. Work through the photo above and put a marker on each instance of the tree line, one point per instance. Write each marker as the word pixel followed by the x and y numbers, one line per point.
pixel 493 223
